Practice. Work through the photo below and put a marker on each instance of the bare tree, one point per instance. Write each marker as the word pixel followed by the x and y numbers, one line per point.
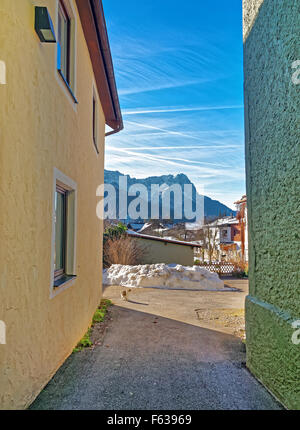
pixel 122 250
pixel 210 242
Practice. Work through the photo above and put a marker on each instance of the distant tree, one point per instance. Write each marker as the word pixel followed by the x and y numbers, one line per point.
pixel 241 216
pixel 114 231
pixel 210 241
pixel 123 250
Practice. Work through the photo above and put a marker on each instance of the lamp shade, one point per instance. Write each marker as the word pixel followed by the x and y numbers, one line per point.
pixel 43 25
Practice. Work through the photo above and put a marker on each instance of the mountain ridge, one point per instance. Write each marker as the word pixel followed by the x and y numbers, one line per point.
pixel 212 208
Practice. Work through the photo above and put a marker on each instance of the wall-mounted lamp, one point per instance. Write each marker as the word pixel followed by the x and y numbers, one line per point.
pixel 43 25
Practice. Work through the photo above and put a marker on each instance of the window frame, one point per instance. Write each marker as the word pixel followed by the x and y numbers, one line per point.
pixel 65 10
pixel 60 280
pixel 58 274
pixel 62 10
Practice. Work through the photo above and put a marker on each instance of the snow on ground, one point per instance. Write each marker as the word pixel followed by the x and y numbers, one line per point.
pixel 146 225
pixel 162 276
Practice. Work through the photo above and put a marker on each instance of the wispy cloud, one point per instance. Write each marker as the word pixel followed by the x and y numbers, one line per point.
pixel 158 87
pixel 169 132
pixel 179 109
pixel 177 160
pixel 179 78
pixel 175 147
pixel 147 65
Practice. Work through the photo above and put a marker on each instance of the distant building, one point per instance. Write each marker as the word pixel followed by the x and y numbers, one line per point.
pixel 226 236
pixel 162 250
pixel 242 216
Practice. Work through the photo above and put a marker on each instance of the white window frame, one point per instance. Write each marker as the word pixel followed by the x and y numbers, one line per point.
pixel 64 181
pixel 73 53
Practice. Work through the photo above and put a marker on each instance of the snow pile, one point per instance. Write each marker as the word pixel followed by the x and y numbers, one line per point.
pixel 162 276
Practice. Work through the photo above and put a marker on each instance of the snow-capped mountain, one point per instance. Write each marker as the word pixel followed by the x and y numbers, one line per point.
pixel 212 208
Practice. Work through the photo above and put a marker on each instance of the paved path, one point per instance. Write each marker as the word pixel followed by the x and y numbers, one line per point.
pixel 214 310
pixel 152 362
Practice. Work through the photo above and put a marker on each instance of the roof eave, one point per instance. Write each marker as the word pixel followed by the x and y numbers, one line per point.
pixel 94 28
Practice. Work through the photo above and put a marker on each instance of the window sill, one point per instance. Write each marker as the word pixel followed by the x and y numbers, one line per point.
pixel 68 86
pixel 63 281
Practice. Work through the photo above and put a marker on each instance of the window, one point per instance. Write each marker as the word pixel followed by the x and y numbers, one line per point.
pixel 224 233
pixel 60 232
pixel 66 44
pixel 64 32
pixel 63 231
pixel 95 123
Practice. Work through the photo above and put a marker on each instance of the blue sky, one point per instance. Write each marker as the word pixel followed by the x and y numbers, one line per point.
pixel 178 67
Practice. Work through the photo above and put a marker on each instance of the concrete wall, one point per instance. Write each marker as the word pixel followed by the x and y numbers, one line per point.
pixel 271 45
pixel 164 252
pixel 41 129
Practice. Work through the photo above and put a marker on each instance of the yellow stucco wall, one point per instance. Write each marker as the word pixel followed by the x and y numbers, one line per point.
pixel 41 129
pixel 165 252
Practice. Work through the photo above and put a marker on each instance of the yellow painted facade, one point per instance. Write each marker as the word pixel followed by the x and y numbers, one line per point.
pixel 42 129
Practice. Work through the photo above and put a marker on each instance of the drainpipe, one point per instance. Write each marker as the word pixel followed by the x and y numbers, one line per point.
pixel 109 133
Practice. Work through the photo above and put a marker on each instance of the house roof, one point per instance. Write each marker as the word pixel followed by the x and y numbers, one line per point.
pixel 135 226
pixel 161 239
pixel 94 28
pixel 223 222
pixel 242 200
